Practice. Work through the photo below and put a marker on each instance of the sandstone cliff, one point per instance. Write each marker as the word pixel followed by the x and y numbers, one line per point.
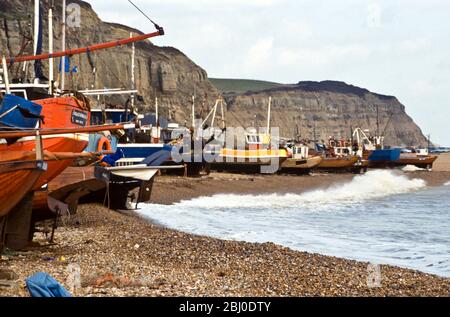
pixel 326 108
pixel 160 71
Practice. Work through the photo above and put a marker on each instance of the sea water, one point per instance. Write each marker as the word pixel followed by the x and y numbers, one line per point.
pixel 380 217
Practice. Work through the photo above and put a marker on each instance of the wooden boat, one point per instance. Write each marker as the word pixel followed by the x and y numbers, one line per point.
pixel 67 112
pixel 302 164
pixel 63 193
pixel 17 179
pixel 299 159
pixel 420 161
pixel 64 142
pixel 333 163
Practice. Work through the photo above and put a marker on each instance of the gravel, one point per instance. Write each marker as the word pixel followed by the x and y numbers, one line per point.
pixel 123 255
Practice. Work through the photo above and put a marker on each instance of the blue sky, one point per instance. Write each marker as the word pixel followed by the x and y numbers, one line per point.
pixel 393 47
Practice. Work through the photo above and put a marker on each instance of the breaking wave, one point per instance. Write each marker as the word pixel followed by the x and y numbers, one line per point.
pixel 382 217
pixel 372 185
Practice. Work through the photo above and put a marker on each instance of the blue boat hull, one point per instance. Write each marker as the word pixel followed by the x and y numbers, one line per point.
pixel 388 155
pixel 142 150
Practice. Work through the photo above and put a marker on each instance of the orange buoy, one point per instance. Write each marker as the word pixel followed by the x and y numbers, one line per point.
pixel 104 144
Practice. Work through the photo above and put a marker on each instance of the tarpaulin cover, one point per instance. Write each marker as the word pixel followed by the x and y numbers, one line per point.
pixel 25 115
pixel 43 285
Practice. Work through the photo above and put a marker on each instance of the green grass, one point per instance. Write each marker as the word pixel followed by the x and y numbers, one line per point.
pixel 242 85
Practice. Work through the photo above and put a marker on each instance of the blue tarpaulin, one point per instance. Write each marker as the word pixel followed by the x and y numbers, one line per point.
pixel 19 112
pixel 43 285
pixel 113 158
pixel 158 158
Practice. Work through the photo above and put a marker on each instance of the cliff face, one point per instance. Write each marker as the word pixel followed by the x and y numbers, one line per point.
pixel 328 108
pixel 324 109
pixel 160 71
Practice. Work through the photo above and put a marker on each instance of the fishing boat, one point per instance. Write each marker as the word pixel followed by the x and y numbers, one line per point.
pixel 372 151
pixel 420 159
pixel 341 163
pixel 338 156
pixel 68 112
pixel 251 151
pixel 299 159
pixel 18 174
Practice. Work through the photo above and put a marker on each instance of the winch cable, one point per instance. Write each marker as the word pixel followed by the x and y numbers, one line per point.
pixel 148 18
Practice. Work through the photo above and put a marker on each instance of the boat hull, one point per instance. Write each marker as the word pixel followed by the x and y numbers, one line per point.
pixel 17 179
pixel 302 164
pixel 418 161
pixel 64 143
pixel 141 151
pixel 249 161
pixel 65 191
pixel 338 163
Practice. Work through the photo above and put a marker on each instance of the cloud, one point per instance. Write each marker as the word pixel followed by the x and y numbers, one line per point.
pixel 259 54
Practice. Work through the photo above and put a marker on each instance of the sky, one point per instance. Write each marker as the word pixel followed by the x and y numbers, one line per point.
pixel 392 47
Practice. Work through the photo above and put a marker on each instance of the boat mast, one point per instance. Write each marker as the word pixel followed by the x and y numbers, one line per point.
pixel 268 115
pixel 193 112
pixel 5 74
pixel 63 60
pixel 378 122
pixel 36 32
pixel 50 47
pixel 156 112
pixel 133 80
pixel 222 113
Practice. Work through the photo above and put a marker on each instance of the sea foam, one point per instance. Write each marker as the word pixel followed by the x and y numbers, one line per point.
pixel 373 184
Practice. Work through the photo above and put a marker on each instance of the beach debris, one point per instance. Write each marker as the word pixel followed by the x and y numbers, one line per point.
pixel 109 280
pixel 136 246
pixel 43 285
pixel 7 275
pixel 4 258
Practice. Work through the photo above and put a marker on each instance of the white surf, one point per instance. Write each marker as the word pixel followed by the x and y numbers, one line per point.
pixel 381 216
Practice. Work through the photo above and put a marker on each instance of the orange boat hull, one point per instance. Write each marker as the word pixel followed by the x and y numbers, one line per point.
pixel 338 163
pixel 17 179
pixel 61 112
pixel 53 144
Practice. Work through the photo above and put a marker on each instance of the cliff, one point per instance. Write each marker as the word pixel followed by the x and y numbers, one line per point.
pixel 160 71
pixel 324 109
pixel 320 108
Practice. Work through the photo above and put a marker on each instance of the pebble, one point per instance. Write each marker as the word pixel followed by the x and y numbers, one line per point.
pixel 171 263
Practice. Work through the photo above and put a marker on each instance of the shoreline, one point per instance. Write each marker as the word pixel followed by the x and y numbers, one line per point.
pixel 125 254
pixel 171 190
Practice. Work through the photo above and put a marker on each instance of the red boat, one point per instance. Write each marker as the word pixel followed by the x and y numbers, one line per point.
pixel 62 112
